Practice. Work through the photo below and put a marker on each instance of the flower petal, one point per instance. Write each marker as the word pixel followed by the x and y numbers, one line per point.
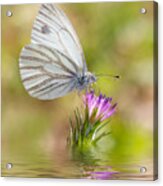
pixel 100 104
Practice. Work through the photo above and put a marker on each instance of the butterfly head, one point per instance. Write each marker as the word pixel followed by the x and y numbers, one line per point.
pixel 91 78
pixel 85 80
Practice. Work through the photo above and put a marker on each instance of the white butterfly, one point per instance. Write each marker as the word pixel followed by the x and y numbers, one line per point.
pixel 53 64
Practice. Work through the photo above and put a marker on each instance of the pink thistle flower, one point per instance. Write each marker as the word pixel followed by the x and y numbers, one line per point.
pixel 100 107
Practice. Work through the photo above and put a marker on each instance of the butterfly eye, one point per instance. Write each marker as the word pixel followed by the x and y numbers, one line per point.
pixel 45 29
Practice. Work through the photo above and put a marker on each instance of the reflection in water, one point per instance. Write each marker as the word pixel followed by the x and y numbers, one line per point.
pixel 75 168
pixel 100 175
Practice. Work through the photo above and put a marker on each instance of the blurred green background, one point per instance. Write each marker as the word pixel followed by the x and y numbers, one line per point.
pixel 116 39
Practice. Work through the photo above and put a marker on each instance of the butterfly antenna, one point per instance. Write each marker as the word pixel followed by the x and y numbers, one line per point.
pixel 108 75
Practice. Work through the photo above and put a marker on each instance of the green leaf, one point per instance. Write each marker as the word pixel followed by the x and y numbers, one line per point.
pixel 100 136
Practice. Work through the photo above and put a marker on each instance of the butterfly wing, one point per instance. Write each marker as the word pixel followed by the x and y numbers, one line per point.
pixel 53 29
pixel 46 73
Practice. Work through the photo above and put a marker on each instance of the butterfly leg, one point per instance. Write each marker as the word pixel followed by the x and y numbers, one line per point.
pixel 97 89
pixel 79 93
pixel 90 88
